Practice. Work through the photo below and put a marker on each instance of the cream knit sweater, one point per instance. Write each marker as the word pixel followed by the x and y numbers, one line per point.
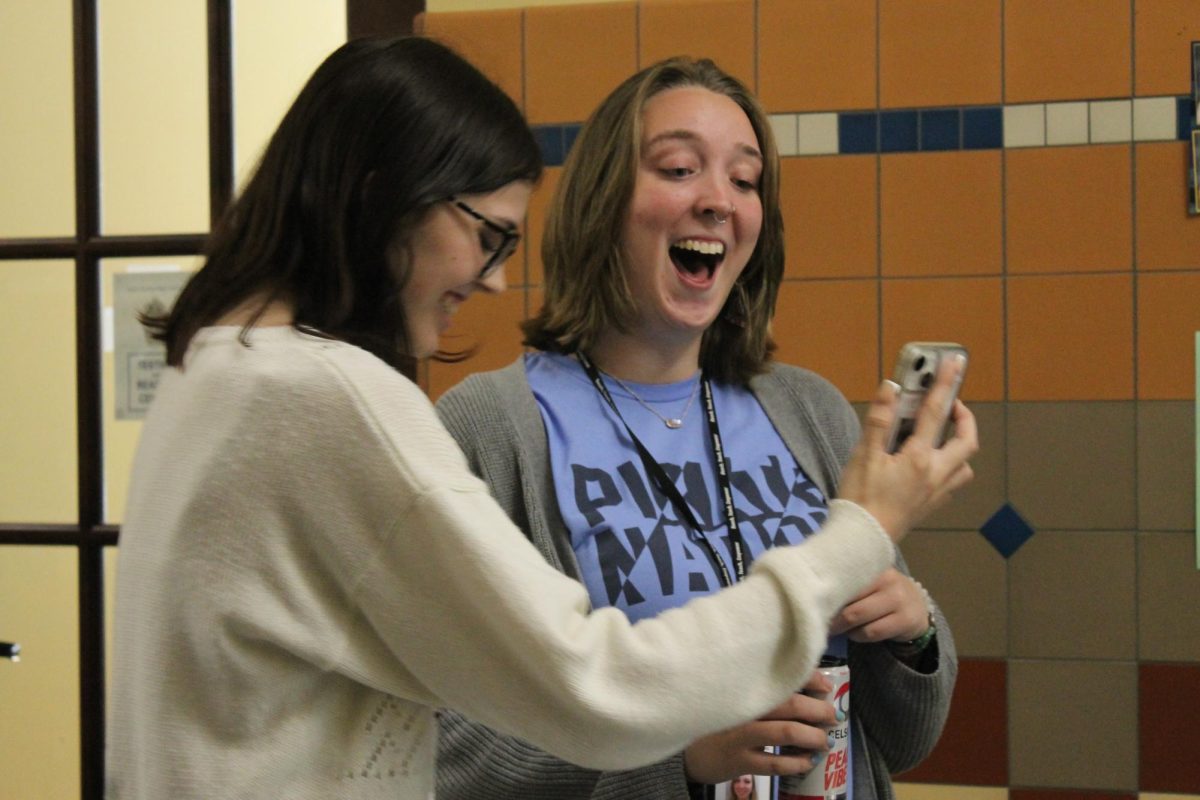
pixel 308 569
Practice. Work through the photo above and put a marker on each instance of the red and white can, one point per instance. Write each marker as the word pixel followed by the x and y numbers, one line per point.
pixel 828 780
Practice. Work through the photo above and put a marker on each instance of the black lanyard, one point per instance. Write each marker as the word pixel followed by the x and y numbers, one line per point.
pixel 664 484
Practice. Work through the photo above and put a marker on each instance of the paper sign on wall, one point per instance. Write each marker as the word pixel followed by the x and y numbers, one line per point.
pixel 138 360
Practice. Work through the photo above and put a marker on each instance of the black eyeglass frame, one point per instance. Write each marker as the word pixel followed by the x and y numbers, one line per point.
pixel 508 241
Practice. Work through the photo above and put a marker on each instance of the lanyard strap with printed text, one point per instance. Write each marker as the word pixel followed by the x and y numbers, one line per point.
pixel 656 473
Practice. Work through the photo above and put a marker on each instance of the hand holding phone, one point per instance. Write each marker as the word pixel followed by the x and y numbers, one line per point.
pixel 915 372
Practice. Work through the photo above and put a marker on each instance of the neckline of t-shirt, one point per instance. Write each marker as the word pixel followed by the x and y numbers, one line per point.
pixel 650 392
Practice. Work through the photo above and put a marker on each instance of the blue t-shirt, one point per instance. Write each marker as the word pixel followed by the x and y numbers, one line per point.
pixel 634 549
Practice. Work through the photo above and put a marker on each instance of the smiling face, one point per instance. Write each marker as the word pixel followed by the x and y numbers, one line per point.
pixel 742 786
pixel 700 163
pixel 446 252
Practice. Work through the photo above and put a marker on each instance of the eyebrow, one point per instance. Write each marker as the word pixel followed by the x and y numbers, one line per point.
pixel 691 136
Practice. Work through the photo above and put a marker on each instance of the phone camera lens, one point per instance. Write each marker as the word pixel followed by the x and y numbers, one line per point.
pixel 919 362
pixel 926 380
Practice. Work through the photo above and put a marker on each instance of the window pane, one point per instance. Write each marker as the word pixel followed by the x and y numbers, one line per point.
pixel 39 740
pixel 276 46
pixel 153 117
pixel 37 360
pixel 131 360
pixel 37 146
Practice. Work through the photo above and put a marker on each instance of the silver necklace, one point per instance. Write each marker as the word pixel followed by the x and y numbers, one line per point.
pixel 674 423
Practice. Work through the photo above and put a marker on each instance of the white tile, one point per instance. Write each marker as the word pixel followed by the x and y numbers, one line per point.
pixel 1066 123
pixel 784 126
pixel 1111 121
pixel 1025 125
pixel 817 134
pixel 1153 118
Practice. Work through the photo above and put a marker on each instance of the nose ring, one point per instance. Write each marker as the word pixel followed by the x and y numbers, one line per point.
pixel 722 220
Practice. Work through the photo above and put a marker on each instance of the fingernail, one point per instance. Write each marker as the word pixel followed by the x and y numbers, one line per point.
pixel 960 360
pixel 817 758
pixel 895 387
pixel 841 716
pixel 829 740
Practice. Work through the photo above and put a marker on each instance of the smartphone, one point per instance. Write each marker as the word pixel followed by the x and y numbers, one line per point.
pixel 916 370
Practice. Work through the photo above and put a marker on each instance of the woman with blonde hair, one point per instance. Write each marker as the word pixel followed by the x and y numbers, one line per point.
pixel 651 448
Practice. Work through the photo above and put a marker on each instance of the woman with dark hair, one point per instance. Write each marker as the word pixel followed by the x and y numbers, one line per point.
pixel 651 448
pixel 308 566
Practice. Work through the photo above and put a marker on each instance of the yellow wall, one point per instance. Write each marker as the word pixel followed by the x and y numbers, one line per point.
pixel 154 180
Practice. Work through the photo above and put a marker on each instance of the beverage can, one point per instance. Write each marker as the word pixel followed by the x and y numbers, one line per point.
pixel 828 780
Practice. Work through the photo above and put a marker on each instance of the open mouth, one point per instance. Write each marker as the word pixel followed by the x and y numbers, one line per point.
pixel 697 258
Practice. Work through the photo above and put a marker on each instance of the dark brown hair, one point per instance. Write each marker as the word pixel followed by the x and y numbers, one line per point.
pixel 382 131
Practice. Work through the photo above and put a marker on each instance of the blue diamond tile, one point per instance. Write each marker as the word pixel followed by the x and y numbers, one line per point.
pixel 858 133
pixel 550 140
pixel 940 129
pixel 983 128
pixel 897 131
pixel 1006 530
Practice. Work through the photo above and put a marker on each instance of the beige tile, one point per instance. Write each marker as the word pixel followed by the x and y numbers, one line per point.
pixel 973 505
pixel 1154 118
pixel 1168 594
pixel 1025 125
pixel 1111 120
pixel 1166 465
pixel 1073 724
pixel 1066 123
pixel 1071 464
pixel 1071 595
pixel 967 578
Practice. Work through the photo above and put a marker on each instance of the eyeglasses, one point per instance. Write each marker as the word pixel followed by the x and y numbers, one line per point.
pixel 494 238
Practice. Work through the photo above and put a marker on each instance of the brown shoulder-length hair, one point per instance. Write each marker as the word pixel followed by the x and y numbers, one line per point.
pixel 383 130
pixel 586 289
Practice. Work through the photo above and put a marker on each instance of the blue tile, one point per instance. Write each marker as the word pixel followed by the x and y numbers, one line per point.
pixel 1185 115
pixel 858 133
pixel 939 129
pixel 570 133
pixel 982 128
pixel 897 131
pixel 1006 530
pixel 550 139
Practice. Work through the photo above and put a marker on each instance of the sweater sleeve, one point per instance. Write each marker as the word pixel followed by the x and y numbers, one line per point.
pixel 456 608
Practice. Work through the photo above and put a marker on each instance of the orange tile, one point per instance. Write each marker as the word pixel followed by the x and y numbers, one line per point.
pixel 1167 236
pixel 489 324
pixel 816 55
pixel 1070 337
pixel 830 224
pixel 1168 312
pixel 1069 209
pixel 1066 50
pixel 831 327
pixel 939 52
pixel 491 40
pixel 969 311
pixel 535 222
pixel 941 213
pixel 722 30
pixel 574 56
pixel 1163 33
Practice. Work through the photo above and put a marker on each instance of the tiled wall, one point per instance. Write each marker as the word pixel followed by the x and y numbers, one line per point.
pixel 1009 174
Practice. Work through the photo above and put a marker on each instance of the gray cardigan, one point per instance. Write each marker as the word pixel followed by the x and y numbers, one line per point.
pixel 897 711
